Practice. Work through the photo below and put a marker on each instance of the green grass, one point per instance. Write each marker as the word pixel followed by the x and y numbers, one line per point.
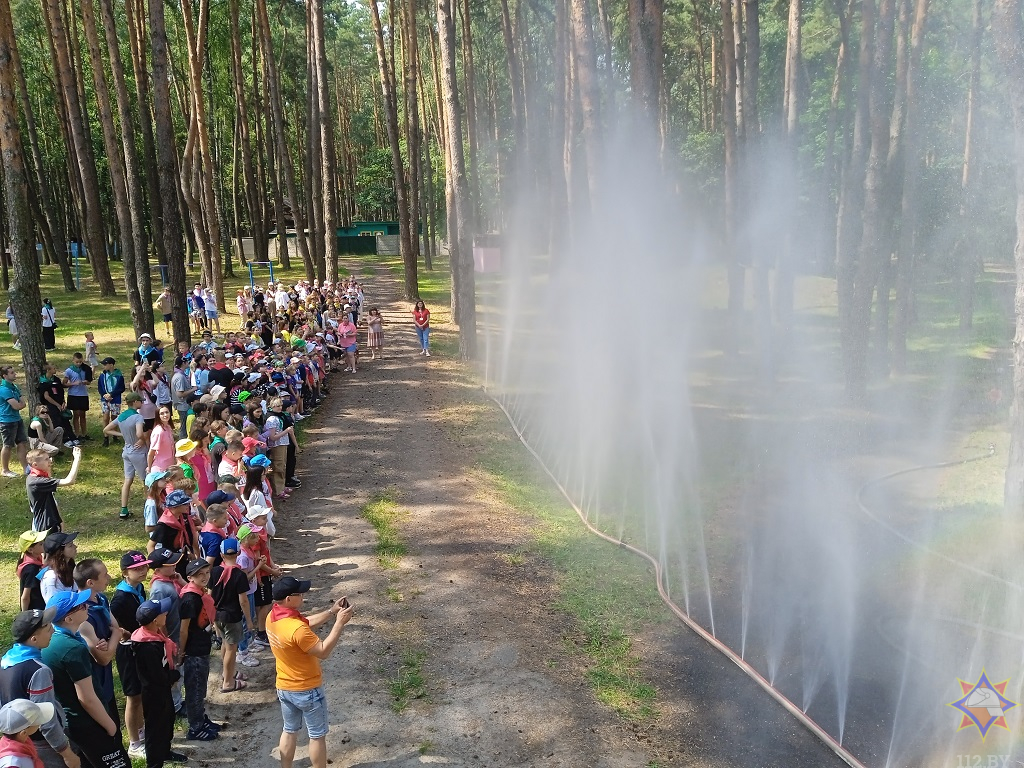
pixel 409 682
pixel 384 514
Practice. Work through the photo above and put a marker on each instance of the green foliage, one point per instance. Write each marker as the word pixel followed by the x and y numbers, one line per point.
pixel 375 183
pixel 384 514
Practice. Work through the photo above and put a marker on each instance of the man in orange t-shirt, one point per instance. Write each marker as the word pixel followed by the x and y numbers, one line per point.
pixel 298 651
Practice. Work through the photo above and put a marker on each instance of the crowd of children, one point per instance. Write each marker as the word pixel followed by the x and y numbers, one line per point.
pixel 213 441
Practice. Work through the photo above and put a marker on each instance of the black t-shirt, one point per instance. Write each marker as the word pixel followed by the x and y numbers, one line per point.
pixel 29 580
pixel 55 390
pixel 199 642
pixel 124 605
pixel 42 503
pixel 165 536
pixel 222 376
pixel 225 596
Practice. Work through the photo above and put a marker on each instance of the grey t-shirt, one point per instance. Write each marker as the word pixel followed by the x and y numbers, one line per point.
pixel 129 432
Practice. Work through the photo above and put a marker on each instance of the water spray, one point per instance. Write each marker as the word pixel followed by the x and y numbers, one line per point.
pixel 824 736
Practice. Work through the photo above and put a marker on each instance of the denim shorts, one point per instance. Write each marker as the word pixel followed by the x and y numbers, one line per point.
pixel 304 706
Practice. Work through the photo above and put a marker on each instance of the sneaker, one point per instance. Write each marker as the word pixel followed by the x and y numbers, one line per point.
pixel 203 734
pixel 70 444
pixel 125 513
pixel 426 352
pixel 258 644
pixel 247 660
pixel 17 345
pixel 215 726
pixel 292 484
pixel 106 442
pixel 9 473
pixel 137 750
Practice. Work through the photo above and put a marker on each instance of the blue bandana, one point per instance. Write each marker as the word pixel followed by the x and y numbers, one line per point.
pixel 20 653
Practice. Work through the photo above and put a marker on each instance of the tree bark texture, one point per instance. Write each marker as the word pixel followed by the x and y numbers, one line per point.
pixel 24 288
pixel 167 174
pixel 1008 30
pixel 461 256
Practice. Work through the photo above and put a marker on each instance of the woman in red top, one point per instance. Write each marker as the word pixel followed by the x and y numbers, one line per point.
pixel 421 316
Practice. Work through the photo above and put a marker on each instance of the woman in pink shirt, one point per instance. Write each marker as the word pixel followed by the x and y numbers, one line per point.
pixel 347 334
pixel 161 441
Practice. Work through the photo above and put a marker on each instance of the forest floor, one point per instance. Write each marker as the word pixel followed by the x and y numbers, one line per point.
pixel 473 641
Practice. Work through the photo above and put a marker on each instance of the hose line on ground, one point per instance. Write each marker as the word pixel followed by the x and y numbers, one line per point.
pixel 823 735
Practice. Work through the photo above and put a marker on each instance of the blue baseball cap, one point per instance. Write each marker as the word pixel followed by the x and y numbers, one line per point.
pixel 156 474
pixel 67 601
pixel 219 497
pixel 177 499
pixel 229 547
pixel 150 609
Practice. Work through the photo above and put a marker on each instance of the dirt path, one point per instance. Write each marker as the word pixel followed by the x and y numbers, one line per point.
pixel 490 646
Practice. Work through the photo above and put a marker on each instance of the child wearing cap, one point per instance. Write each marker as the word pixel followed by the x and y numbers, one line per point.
pixel 155 661
pixel 198 614
pixel 255 558
pixel 93 728
pixel 24 676
pixel 20 719
pixel 174 529
pixel 59 574
pixel 129 594
pixel 214 530
pixel 111 387
pixel 230 587
pixel 30 564
pixel 166 584
pixel 41 488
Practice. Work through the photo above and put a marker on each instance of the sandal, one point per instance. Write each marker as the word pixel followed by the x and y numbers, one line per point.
pixel 238 686
pixel 240 676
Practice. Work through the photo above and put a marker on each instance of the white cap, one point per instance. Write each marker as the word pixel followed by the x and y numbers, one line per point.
pixel 19 714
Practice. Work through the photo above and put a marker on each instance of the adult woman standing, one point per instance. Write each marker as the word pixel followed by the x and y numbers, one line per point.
pixel 49 315
pixel 161 442
pixel 347 336
pixel 421 316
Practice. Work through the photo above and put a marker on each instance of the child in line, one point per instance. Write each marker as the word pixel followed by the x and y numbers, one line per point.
pixel 59 574
pixel 30 564
pixel 198 614
pixel 167 583
pixel 230 587
pixel 255 552
pixel 375 333
pixel 154 659
pixel 214 530
pixel 129 594
pixel 19 719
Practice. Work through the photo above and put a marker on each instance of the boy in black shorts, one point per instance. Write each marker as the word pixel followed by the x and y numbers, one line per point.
pixel 128 596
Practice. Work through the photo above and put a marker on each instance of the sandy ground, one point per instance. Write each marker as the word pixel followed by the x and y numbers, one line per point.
pixel 501 688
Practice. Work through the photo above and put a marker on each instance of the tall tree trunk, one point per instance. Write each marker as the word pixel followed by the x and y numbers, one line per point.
pixel 461 256
pixel 327 148
pixel 135 18
pixel 95 239
pixel 736 271
pixel 413 138
pixel 585 77
pixel 752 67
pixel 968 257
pixel 909 206
pixel 785 272
pixel 646 56
pixel 874 249
pixel 1008 30
pixel 312 181
pixel 118 178
pixel 24 290
pixel 136 201
pixel 253 202
pixel 389 90
pixel 469 79
pixel 166 159
pixel 851 202
pixel 283 157
pixel 58 242
pixel 196 42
